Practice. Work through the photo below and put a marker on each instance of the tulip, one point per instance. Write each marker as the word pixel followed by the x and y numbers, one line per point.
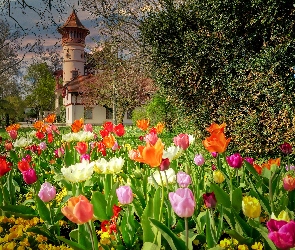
pixel 85 157
pixel 77 125
pixel 143 124
pixel 183 179
pixel 182 202
pixel 215 128
pixel 81 148
pixel 218 176
pixel 78 172
pixel 47 192
pixel 161 177
pixel 235 160
pixel 151 138
pixel 164 164
pixel 40 135
pixel 199 160
pixel 13 134
pixel 213 167
pixel 283 215
pixel 115 146
pixel 124 194
pixel 104 133
pixel 289 183
pixel 50 138
pixel 286 148
pixel 23 165
pixel 214 154
pixel 29 176
pixel 281 233
pixel 249 160
pixel 42 145
pixel 182 141
pixel 119 130
pixel 216 142
pixel 290 168
pixel 4 166
pixel 109 141
pixel 108 126
pixel 79 210
pixel 209 200
pixel 50 118
pixel 8 145
pixel 251 207
pixel 88 127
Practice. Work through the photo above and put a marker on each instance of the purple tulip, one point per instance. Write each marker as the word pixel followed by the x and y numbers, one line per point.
pixel 183 202
pixel 213 167
pixel 165 164
pixel 249 160
pixel 199 160
pixel 183 179
pixel 42 145
pixel 282 233
pixel 235 160
pixel 214 154
pixel 182 141
pixel 47 192
pixel 124 194
pixel 29 176
pixel 209 200
pixel 286 148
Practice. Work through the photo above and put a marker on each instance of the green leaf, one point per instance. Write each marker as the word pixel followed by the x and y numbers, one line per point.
pixel 20 211
pixel 99 206
pixel 11 188
pixel 237 199
pixel 209 232
pixel 43 210
pixel 112 199
pixel 221 196
pixel 174 242
pixel 241 239
pixel 150 246
pixel 128 228
pixel 71 244
pixel 74 234
pixel 147 227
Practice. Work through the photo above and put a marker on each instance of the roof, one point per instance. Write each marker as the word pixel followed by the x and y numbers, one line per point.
pixel 73 22
pixel 75 84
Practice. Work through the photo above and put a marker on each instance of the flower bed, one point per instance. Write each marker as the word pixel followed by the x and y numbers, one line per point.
pixel 119 188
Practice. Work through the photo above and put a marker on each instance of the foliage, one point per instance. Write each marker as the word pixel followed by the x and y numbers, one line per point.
pixel 228 61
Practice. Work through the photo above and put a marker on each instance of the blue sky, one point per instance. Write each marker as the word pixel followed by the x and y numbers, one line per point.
pixel 42 24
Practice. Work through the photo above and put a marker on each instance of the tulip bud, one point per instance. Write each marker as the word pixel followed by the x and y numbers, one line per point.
pixel 214 154
pixel 125 195
pixel 183 179
pixel 235 160
pixel 182 141
pixel 209 200
pixel 164 164
pixel 182 202
pixel 289 183
pixel 199 160
pixel 218 176
pixel 12 134
pixel 286 148
pixel 47 192
pixel 251 207
pixel 29 176
pixel 249 160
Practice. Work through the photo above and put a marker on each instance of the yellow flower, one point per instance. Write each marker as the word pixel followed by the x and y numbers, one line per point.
pixel 218 176
pixel 282 216
pixel 224 243
pixel 9 246
pixel 243 247
pixel 257 245
pixel 251 207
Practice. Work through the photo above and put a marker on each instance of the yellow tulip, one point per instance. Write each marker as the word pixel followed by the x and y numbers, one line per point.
pixel 218 176
pixel 251 207
pixel 283 215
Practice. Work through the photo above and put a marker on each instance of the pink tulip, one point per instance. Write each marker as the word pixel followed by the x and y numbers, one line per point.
pixel 289 183
pixel 183 202
pixel 235 160
pixel 12 134
pixel 47 192
pixel 249 160
pixel 124 194
pixel 282 233
pixel 85 157
pixel 183 179
pixel 42 145
pixel 199 160
pixel 209 200
pixel 151 138
pixel 88 127
pixel 182 141
pixel 29 176
pixel 214 154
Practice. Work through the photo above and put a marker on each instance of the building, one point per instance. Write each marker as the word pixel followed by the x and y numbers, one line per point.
pixel 73 73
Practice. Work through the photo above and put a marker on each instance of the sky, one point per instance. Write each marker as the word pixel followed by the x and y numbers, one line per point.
pixel 37 21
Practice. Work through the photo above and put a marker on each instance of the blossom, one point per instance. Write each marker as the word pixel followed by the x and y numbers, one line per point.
pixel 235 160
pixel 209 200
pixel 40 126
pixel 104 133
pixel 151 154
pixel 218 176
pixel 257 245
pixel 290 168
pixel 214 154
pixel 81 147
pixel 216 142
pixel 160 177
pixel 77 125
pixel 50 137
pixel 182 140
pixel 164 164
pixel 14 126
pixel 47 192
pixel 289 183
pixel 78 210
pixel 282 233
pixel 85 157
pixel 119 129
pixel 271 162
pixel 42 145
pixel 8 145
pixel 4 166
pixel 151 138
pixel 249 160
pixel 124 194
pixel 182 202
pixel 113 166
pixel 29 176
pixel 78 172
pixel 109 141
pixel 251 207
pixel 143 124
pixel 160 127
pixel 183 179
pixel 23 165
pixel 172 153
pixel 283 215
pixel 50 118
pixel 286 148
pixel 59 152
pixel 108 126
pixel 88 127
pixel 22 142
pixel 199 159
pixel 215 128
pixel 12 134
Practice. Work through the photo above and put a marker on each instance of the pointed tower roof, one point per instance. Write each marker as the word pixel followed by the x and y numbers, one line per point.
pixel 73 22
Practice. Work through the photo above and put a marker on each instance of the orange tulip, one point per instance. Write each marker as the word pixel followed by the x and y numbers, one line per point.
pixel 216 142
pixel 13 127
pixel 271 162
pixel 109 141
pixel 159 127
pixel 257 168
pixel 215 128
pixel 50 118
pixel 77 125
pixel 40 126
pixel 151 154
pixel 79 210
pixel 143 124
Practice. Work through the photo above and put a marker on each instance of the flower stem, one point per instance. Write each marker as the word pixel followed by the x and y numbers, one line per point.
pixel 271 192
pixel 186 232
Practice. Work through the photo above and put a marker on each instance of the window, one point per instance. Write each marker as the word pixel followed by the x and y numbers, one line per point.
pixel 109 113
pixel 74 74
pixel 88 113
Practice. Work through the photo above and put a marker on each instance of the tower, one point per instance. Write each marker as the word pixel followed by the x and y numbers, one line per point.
pixel 73 43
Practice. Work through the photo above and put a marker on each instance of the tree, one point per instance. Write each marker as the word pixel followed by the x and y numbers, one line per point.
pixel 229 61
pixel 40 86
pixel 118 84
